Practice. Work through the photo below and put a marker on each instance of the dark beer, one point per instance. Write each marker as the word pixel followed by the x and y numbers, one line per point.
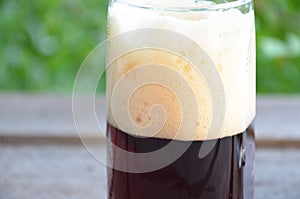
pixel 225 173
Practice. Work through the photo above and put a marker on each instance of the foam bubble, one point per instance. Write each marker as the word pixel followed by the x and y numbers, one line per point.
pixel 226 36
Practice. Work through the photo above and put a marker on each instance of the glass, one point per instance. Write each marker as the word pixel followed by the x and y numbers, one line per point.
pixel 181 99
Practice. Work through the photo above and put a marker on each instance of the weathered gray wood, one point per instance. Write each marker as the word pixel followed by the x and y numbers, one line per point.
pixel 42 157
pixel 278 117
pixel 50 171
pixel 41 115
pixel 277 174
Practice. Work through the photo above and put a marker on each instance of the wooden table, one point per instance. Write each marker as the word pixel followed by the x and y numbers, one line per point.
pixel 41 156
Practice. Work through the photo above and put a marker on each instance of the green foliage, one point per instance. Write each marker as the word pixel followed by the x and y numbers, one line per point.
pixel 43 42
pixel 278 45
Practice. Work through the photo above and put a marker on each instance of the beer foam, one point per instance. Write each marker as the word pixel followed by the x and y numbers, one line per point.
pixel 227 36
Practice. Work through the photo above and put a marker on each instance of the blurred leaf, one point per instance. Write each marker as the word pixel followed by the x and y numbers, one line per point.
pixel 278 46
pixel 293 41
pixel 44 42
pixel 272 47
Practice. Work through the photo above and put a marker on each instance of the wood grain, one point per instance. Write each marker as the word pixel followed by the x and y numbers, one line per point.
pixel 41 156
pixel 50 116
pixel 48 171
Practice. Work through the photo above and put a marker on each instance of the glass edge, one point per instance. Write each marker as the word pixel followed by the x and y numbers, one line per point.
pixel 215 7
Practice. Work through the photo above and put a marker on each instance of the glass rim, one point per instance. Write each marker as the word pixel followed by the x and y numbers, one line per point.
pixel 214 7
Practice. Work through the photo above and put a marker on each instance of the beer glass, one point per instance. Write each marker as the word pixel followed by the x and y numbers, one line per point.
pixel 180 99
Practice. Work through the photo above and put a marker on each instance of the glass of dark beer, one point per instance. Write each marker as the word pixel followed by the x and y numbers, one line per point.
pixel 181 99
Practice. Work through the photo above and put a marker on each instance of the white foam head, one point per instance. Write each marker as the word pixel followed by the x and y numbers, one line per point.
pixel 228 39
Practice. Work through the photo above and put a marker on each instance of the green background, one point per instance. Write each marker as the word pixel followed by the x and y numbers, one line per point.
pixel 43 42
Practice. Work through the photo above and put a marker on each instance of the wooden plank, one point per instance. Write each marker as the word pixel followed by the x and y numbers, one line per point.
pixel 42 115
pixel 280 143
pixel 68 171
pixel 35 140
pixel 277 174
pixel 278 117
pixel 22 115
pixel 50 171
